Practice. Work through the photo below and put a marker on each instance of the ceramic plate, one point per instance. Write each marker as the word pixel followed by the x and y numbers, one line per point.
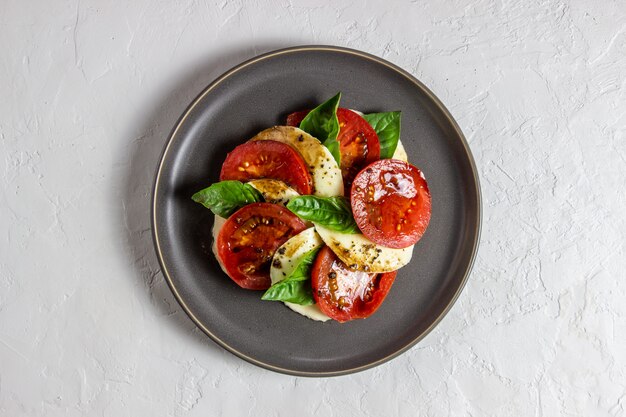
pixel 257 94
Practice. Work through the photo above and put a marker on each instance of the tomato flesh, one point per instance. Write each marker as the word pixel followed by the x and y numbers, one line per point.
pixel 247 242
pixel 391 203
pixel 267 159
pixel 358 142
pixel 343 294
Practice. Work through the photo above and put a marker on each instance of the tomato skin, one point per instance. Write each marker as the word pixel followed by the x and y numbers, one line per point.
pixel 267 159
pixel 358 142
pixel 295 118
pixel 247 242
pixel 343 294
pixel 391 203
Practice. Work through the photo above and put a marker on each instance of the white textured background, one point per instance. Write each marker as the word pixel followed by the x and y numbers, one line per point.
pixel 88 93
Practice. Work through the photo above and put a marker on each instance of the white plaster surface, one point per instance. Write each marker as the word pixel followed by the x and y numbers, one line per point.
pixel 88 93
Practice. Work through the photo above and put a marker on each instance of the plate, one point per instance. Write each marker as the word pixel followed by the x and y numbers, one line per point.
pixel 257 94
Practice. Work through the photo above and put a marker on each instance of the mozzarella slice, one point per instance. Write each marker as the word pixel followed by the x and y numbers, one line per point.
pixel 400 153
pixel 218 223
pixel 274 191
pixel 326 175
pixel 360 253
pixel 287 258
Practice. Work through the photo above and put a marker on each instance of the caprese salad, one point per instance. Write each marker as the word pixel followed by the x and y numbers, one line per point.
pixel 320 213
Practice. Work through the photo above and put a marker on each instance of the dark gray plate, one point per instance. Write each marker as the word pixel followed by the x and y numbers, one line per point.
pixel 258 94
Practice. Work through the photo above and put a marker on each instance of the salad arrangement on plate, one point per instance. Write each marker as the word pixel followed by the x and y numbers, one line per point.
pixel 320 213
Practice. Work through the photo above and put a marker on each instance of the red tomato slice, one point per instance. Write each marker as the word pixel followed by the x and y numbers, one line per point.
pixel 267 159
pixel 358 145
pixel 358 142
pixel 343 294
pixel 249 238
pixel 391 203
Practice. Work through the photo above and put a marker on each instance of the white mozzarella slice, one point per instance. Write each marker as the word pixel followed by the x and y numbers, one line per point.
pixel 287 258
pixel 360 253
pixel 400 153
pixel 274 191
pixel 218 223
pixel 313 311
pixel 326 175
pixel 291 252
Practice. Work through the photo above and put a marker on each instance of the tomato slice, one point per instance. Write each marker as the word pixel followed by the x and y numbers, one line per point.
pixel 358 145
pixel 358 142
pixel 249 238
pixel 391 203
pixel 343 294
pixel 268 159
pixel 295 118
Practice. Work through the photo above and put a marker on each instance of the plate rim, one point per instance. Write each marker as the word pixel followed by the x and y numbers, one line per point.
pixel 294 50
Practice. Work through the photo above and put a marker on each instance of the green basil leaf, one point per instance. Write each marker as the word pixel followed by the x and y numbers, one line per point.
pixel 297 292
pixel 296 288
pixel 322 123
pixel 225 197
pixel 302 272
pixel 331 212
pixel 387 127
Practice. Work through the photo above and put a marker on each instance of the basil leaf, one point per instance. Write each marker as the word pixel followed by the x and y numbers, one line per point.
pixel 331 212
pixel 302 272
pixel 297 292
pixel 225 197
pixel 322 123
pixel 296 288
pixel 387 127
